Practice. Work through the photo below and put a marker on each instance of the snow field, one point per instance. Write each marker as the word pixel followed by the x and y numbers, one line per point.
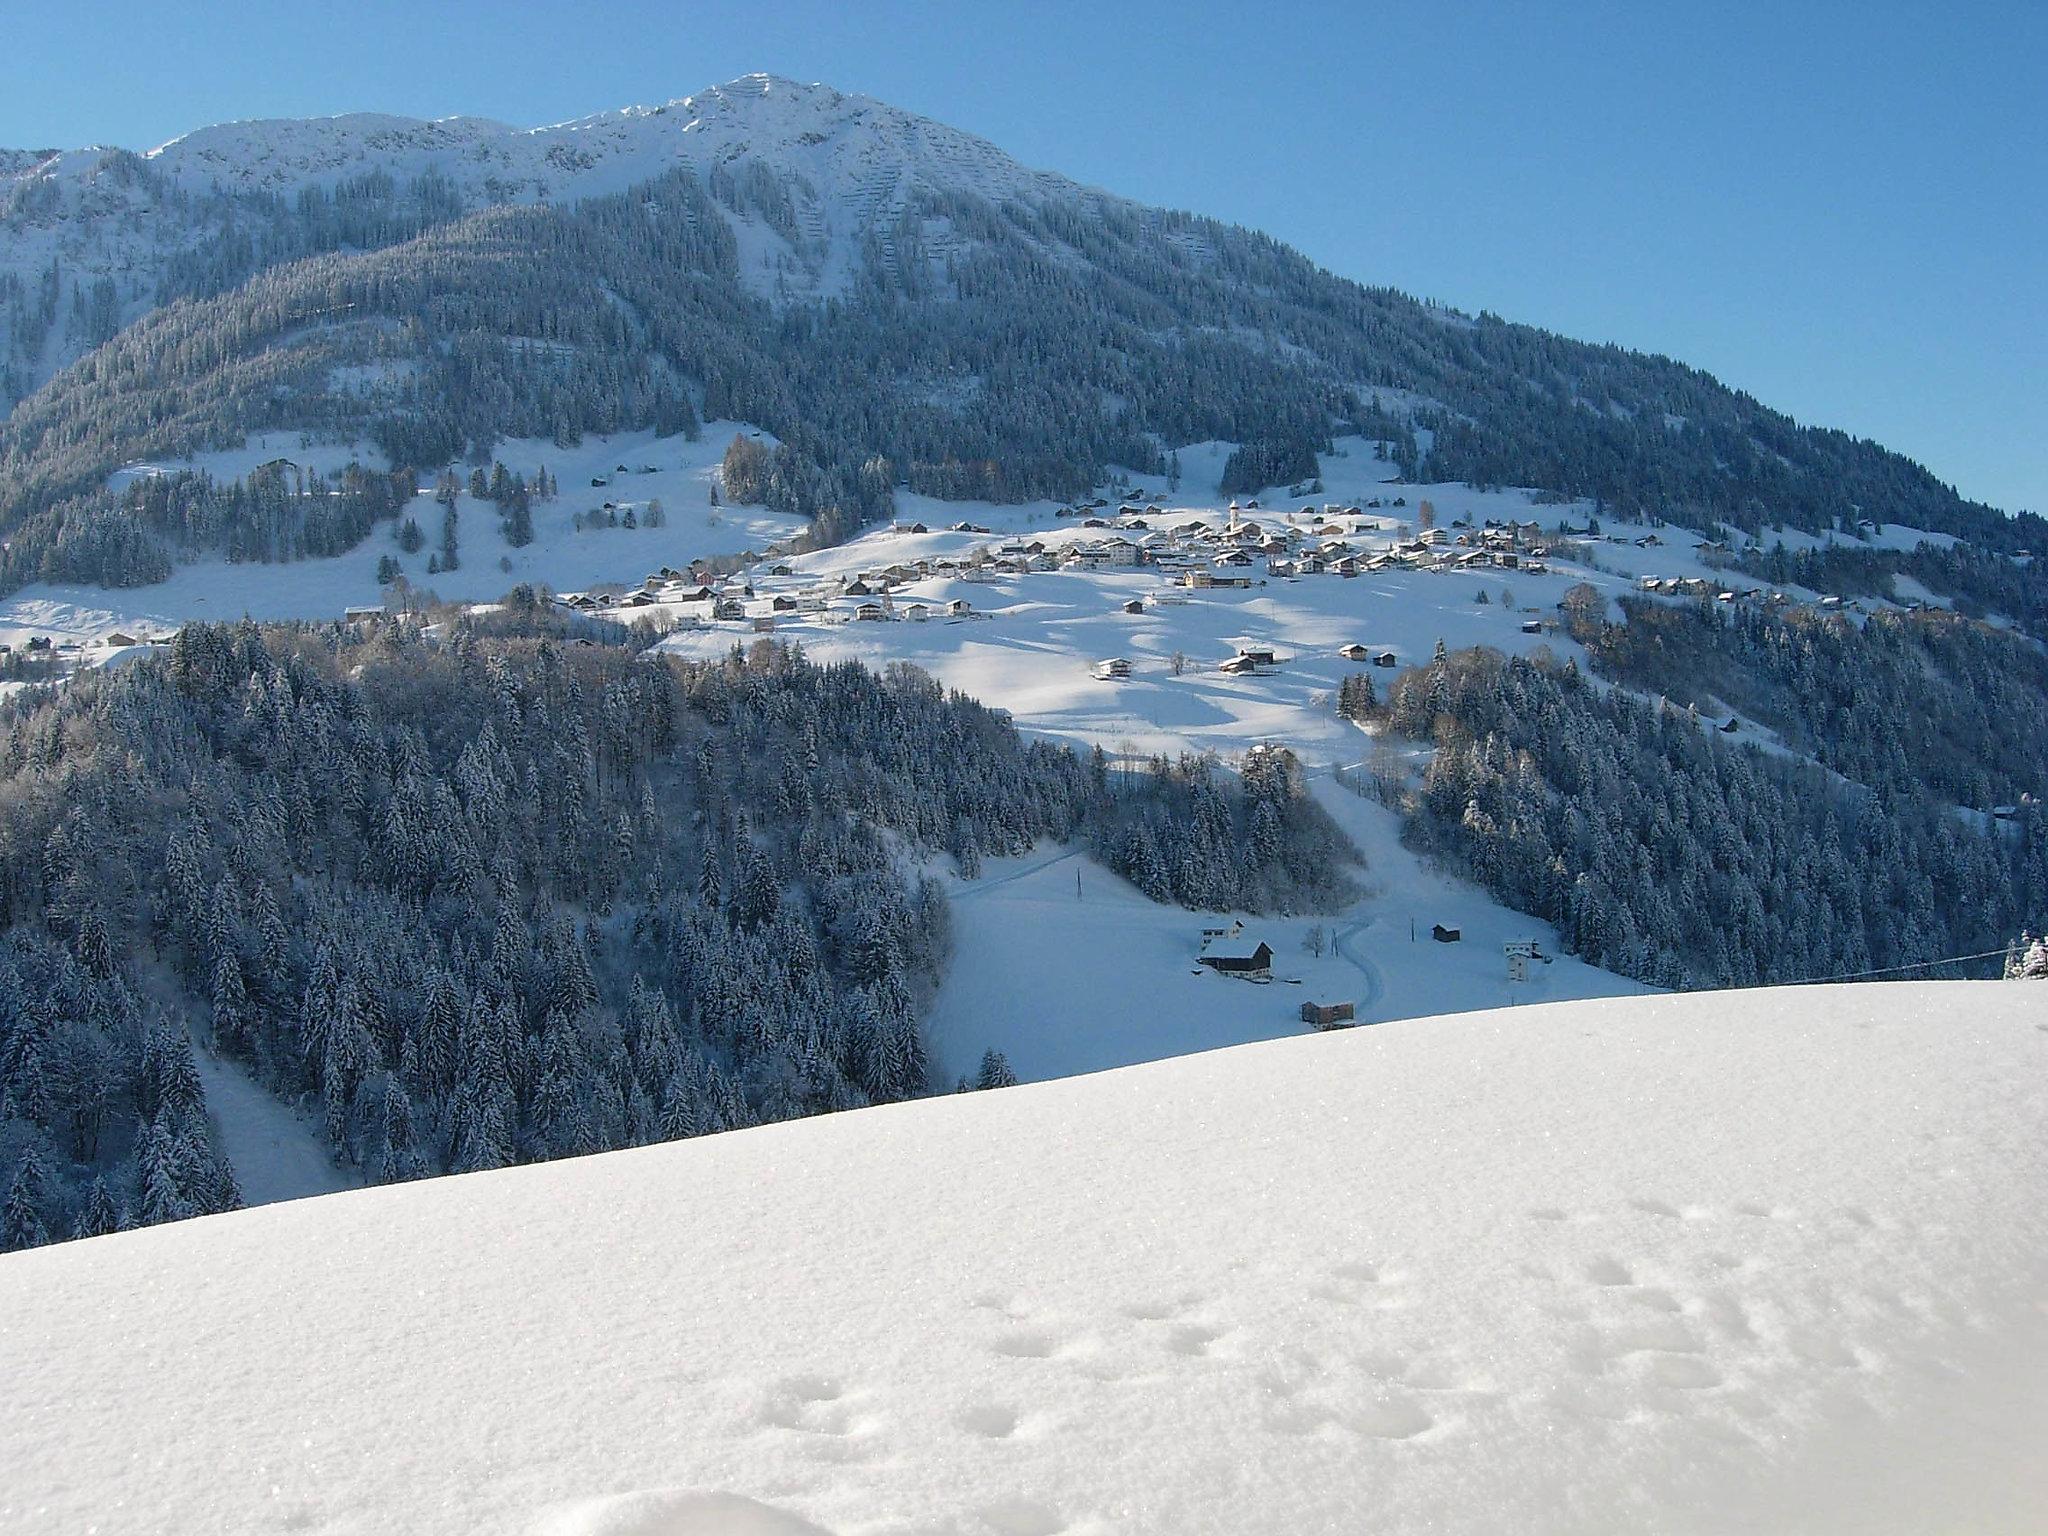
pixel 1762 1261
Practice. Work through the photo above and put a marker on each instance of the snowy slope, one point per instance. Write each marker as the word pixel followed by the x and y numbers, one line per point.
pixel 560 556
pixel 1766 1261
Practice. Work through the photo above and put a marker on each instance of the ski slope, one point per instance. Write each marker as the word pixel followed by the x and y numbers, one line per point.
pixel 1765 1261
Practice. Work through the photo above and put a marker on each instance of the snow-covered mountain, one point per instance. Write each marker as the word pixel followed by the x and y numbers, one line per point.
pixel 1004 333
pixel 814 173
pixel 1732 1261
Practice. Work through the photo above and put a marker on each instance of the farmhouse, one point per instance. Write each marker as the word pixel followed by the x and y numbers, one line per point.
pixel 1238 954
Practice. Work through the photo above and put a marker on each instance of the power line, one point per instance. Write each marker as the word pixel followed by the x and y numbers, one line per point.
pixel 1891 970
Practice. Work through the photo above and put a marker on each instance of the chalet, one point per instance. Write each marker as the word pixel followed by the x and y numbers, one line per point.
pixel 918 613
pixel 959 608
pixel 1239 666
pixel 783 568
pixel 764 624
pixel 728 608
pixel 1259 655
pixel 870 612
pixel 909 528
pixel 782 604
pixel 363 615
pixel 1237 954
pixel 1444 935
pixel 119 637
pixel 1731 727
pixel 1354 652
pixel 1532 626
pixel 1135 605
pixel 1113 669
pixel 1328 1015
pixel 1386 659
pixel 1091 558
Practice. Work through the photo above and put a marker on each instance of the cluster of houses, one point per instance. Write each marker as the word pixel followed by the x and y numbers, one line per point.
pixel 703 597
pixel 49 648
pixel 1699 587
pixel 1236 549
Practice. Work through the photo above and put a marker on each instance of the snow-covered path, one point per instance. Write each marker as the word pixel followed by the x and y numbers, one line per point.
pixel 275 1154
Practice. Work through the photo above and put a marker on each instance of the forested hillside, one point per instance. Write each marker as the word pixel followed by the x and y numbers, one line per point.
pixel 1666 851
pixel 1923 703
pixel 512 897
pixel 994 336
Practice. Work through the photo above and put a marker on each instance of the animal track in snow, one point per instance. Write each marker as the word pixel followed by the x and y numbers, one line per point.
pixel 1192 1339
pixel 991 1421
pixel 1026 1344
pixel 812 1404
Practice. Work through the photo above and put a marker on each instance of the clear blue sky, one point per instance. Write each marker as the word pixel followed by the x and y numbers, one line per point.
pixel 1841 208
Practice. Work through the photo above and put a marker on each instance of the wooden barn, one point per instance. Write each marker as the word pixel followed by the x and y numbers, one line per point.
pixel 1238 954
pixel 1328 1015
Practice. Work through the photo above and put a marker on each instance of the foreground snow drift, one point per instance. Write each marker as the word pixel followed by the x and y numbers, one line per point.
pixel 1762 1260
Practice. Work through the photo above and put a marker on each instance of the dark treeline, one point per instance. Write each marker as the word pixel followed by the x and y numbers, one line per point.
pixel 1906 703
pixel 509 897
pixel 133 535
pixel 1664 852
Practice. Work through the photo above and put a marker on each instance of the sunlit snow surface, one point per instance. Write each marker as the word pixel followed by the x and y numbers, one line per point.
pixel 1768 1261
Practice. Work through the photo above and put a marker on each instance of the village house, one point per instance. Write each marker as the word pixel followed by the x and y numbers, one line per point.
pixel 1328 1015
pixel 1113 669
pixel 1237 953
